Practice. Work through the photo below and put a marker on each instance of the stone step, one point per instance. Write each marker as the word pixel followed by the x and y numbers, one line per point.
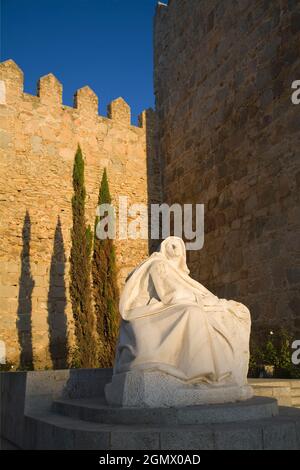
pixel 96 410
pixel 295 384
pixel 269 382
pixel 53 431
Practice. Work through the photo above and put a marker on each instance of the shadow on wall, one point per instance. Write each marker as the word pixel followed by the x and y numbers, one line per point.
pixel 57 301
pixel 153 171
pixel 57 319
pixel 24 313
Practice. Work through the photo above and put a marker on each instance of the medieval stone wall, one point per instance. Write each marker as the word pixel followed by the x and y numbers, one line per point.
pixel 38 140
pixel 229 137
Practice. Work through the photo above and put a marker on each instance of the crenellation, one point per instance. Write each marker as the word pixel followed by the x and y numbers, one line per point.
pixel 143 118
pixel 50 94
pixel 13 78
pixel 49 90
pixel 32 100
pixel 86 101
pixel 120 111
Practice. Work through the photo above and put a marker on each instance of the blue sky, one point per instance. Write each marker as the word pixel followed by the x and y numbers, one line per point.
pixel 106 44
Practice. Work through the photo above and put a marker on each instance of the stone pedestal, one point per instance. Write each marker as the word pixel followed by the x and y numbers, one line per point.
pixel 150 389
pixel 66 410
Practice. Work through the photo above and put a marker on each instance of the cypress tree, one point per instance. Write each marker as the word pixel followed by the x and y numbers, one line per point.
pixel 105 287
pixel 80 272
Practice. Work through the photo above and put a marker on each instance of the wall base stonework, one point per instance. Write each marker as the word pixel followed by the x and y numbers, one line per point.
pixel 286 392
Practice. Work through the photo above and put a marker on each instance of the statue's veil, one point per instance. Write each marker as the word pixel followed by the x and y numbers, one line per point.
pixel 131 296
pixel 163 250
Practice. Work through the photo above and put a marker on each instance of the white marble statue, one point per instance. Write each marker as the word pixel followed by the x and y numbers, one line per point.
pixel 179 344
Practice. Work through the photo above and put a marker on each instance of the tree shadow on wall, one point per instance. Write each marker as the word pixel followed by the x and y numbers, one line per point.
pixel 24 313
pixel 57 319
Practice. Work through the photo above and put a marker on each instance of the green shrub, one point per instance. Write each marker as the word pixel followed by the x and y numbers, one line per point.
pixel 273 348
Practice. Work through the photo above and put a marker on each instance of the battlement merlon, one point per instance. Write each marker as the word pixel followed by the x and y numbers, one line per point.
pixel 12 82
pixel 147 119
pixel 120 111
pixel 50 91
pixel 86 101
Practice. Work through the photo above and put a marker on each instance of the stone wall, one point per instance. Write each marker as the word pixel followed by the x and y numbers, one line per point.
pixel 286 392
pixel 38 140
pixel 229 138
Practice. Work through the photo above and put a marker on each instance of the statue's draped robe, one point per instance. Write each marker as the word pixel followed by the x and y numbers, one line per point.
pixel 174 324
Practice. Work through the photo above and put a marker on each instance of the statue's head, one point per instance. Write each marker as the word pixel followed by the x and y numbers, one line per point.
pixel 173 249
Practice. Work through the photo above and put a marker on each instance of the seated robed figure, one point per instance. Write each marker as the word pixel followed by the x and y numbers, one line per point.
pixel 173 324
